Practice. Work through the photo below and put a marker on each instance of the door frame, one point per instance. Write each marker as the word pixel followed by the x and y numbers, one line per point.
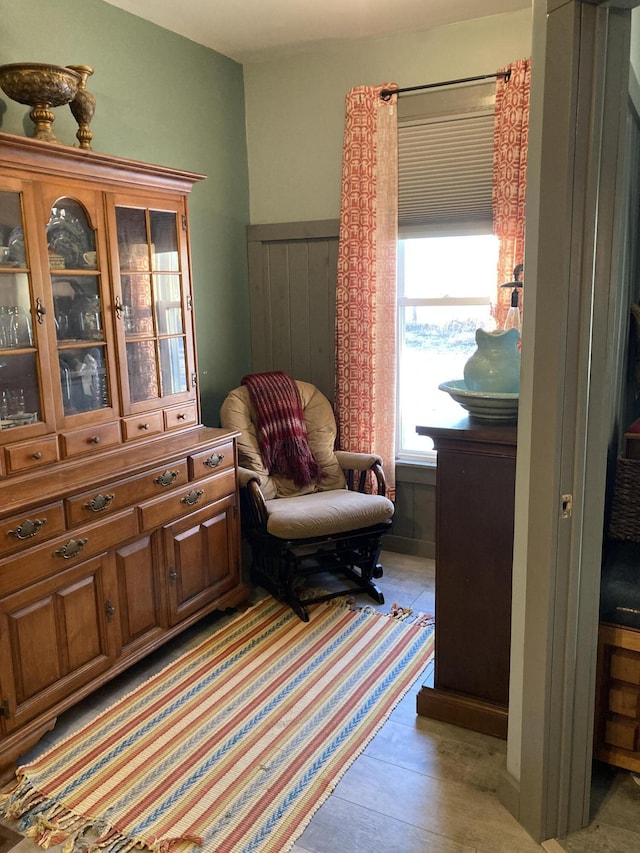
pixel 573 328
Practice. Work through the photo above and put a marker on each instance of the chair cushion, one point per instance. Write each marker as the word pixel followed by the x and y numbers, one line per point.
pixel 325 513
pixel 238 413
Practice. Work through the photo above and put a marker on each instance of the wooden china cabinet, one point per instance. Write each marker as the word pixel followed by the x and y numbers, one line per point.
pixel 119 522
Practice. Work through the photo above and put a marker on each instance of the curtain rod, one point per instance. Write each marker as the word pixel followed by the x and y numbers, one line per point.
pixel 386 94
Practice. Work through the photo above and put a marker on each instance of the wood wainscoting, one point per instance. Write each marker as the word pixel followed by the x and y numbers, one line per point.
pixel 292 287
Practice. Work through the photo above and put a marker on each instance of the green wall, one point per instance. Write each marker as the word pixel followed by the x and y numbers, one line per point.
pixel 167 100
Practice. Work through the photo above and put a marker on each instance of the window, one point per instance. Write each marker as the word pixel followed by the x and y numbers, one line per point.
pixel 447 254
pixel 445 284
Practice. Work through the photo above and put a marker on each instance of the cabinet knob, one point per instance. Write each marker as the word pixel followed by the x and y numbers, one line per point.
pixel 71 549
pixel 173 575
pixel 28 528
pixel 95 439
pixel 109 610
pixel 166 479
pixel 37 455
pixel 181 416
pixel 214 460
pixel 144 426
pixel 193 497
pixel 99 503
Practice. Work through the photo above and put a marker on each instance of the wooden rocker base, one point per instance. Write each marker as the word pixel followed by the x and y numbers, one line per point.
pixel 279 564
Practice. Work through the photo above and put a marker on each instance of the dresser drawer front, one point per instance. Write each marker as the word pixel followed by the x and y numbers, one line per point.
pixel 44 560
pixel 625 666
pixel 31 454
pixel 29 528
pixel 212 461
pixel 188 499
pixel 180 416
pixel 115 496
pixel 90 439
pixel 142 426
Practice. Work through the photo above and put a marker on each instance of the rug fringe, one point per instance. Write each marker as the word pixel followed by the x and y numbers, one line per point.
pixel 398 611
pixel 49 824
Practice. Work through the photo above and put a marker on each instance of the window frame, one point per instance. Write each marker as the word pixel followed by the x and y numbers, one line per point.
pixel 465 229
pixel 466 211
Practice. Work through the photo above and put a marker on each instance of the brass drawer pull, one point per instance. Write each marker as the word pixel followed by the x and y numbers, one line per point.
pixel 214 460
pixel 71 549
pixel 28 528
pixel 167 478
pixel 181 416
pixel 143 426
pixel 99 503
pixel 37 455
pixel 193 497
pixel 94 440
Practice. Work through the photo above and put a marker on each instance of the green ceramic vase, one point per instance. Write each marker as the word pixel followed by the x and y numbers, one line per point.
pixel 495 365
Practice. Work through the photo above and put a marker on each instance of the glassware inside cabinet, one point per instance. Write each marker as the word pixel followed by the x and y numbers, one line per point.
pixel 83 379
pixel 78 308
pixel 71 241
pixel 20 398
pixel 19 390
pixel 12 248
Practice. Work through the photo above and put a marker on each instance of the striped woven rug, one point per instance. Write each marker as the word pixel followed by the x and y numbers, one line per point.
pixel 234 745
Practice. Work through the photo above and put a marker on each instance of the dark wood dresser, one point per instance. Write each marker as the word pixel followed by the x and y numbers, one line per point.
pixel 474 547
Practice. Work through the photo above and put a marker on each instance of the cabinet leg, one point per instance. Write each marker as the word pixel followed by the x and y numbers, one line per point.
pixel 15 746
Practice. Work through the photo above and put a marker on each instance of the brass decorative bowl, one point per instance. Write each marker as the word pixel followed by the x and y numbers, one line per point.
pixel 41 86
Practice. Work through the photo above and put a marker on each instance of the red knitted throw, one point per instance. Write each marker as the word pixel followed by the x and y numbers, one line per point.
pixel 282 433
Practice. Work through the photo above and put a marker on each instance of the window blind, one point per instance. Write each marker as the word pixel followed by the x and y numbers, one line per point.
pixel 445 160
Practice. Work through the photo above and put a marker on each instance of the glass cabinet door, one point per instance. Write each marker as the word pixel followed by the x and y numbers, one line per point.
pixel 20 316
pixel 152 307
pixel 75 272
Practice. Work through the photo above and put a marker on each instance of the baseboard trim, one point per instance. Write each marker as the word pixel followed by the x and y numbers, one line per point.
pixel 508 792
pixel 413 547
pixel 462 710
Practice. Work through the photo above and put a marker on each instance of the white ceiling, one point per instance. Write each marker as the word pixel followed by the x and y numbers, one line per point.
pixel 256 30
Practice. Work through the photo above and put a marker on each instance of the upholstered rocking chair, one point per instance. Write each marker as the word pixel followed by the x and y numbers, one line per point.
pixel 296 526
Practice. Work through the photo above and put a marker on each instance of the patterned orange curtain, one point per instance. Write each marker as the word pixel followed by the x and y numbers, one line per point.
pixel 366 286
pixel 511 137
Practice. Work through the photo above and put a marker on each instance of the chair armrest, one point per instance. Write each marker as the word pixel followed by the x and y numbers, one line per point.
pixel 362 463
pixel 252 498
pixel 356 461
pixel 245 475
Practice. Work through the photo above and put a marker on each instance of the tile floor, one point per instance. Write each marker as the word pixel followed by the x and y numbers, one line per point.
pixel 421 786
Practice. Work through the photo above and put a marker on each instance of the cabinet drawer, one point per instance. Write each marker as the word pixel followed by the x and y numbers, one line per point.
pixel 624 700
pixel 622 733
pixel 29 528
pixel 186 500
pixel 85 440
pixel 180 416
pixel 43 560
pixel 142 426
pixel 31 454
pixel 115 496
pixel 210 461
pixel 625 666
